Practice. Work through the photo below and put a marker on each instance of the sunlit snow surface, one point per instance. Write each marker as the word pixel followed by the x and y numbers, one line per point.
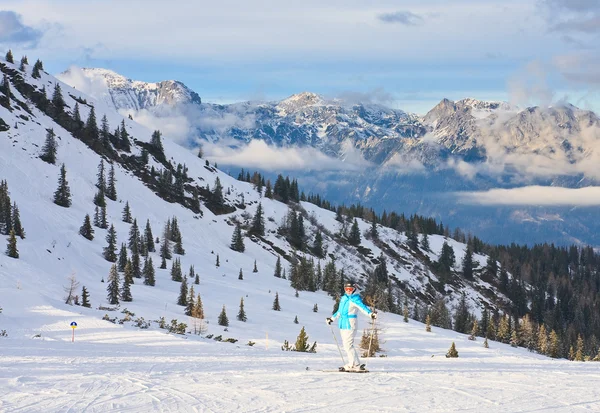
pixel 112 368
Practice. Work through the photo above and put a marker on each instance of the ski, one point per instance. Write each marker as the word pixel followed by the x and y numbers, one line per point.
pixel 345 371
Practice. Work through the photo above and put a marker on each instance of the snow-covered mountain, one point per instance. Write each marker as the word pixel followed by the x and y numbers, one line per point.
pixel 131 95
pixel 401 161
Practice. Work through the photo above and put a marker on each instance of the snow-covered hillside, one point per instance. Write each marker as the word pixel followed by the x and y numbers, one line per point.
pixel 114 366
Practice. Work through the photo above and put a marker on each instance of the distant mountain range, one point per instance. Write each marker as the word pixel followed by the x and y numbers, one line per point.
pixel 408 163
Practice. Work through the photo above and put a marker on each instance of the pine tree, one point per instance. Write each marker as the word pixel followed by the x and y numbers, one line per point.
pixel 49 149
pixel 514 338
pixel 90 130
pixel 485 343
pixel 580 350
pixel 241 313
pixel 197 279
pixel 452 353
pixel 223 320
pixel 258 222
pixel 467 264
pixel 113 286
pixel 302 341
pixel 176 274
pixel 16 224
pixel 57 99
pixel 405 314
pixel 474 330
pixel 503 333
pixel 110 251
pixel 156 141
pixel 149 237
pixel 125 290
pixel 354 237
pixel 103 221
pixel 9 57
pixel 134 237
pixel 62 195
pixel 318 245
pixel 241 275
pixel 198 309
pixel 276 305
pixel 425 242
pixel 183 293
pixel 37 66
pixel 571 353
pixel 315 308
pixel 149 276
pixel 86 229
pixel 85 297
pixel 554 350
pixel 255 269
pixel 296 320
pixel 11 249
pixel 122 260
pixel 217 264
pixel 278 267
pixel 190 304
pixel 542 341
pixel 127 213
pixel 128 273
pixel 428 323
pixel 237 240
pixel 111 188
pixel 165 247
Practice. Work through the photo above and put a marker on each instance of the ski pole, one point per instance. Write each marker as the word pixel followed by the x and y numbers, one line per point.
pixel 372 333
pixel 338 346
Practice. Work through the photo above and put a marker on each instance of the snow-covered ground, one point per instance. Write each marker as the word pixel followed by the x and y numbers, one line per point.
pixel 116 368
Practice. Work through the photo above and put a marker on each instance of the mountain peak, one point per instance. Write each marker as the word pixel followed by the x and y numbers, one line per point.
pixel 127 94
pixel 301 100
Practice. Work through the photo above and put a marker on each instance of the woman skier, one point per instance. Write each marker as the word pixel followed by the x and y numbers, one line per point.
pixel 349 304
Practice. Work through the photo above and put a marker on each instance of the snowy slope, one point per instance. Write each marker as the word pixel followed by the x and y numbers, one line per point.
pixel 118 366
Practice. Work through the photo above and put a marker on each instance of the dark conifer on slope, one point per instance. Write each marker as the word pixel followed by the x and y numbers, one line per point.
pixel 237 240
pixel 113 286
pixel 86 229
pixel 241 275
pixel 37 67
pixel 149 237
pixel 16 222
pixel 9 57
pixel 278 267
pixel 122 261
pixel 183 293
pixel 354 237
pixel 111 188
pixel 148 271
pixel 127 213
pixel 62 195
pixel 110 253
pixel 276 305
pixel 11 249
pixel 241 313
pixel 126 291
pixel 85 297
pixel 49 149
pixel 223 320
pixel 258 222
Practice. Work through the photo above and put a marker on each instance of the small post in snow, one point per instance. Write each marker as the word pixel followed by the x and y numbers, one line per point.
pixel 73 326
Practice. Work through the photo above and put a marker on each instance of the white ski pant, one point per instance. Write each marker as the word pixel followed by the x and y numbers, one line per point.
pixel 348 337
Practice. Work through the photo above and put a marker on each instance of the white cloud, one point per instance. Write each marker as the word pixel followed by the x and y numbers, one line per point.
pixel 257 154
pixel 90 85
pixel 533 195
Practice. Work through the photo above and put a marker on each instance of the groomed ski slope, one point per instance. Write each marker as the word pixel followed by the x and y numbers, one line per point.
pixel 111 368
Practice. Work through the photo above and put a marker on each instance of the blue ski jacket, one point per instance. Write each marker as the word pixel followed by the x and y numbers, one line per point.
pixel 349 306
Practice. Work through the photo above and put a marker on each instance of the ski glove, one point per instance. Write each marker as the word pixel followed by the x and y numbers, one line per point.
pixel 373 315
pixel 329 320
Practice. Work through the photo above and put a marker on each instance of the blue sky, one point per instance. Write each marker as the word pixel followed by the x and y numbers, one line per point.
pixel 406 54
